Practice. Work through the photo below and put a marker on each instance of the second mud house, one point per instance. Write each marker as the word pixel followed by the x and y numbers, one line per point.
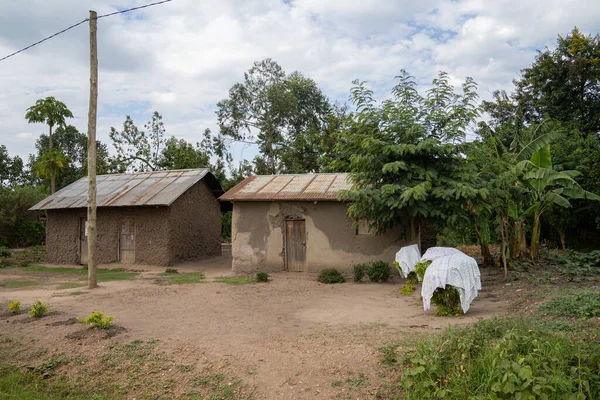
pixel 297 223
pixel 155 218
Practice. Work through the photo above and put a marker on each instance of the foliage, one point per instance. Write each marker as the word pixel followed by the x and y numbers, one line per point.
pixel 583 304
pixel 330 275
pixel 171 271
pixel 5 253
pixel 359 271
pixel 262 277
pixel 577 264
pixel 97 319
pixel 379 271
pixel 502 358
pixel 420 269
pixel 38 309
pixel 14 306
pixel 402 154
pixel 447 302
pixel 11 169
pixel 408 288
pixel 16 227
pixel 190 277
pixel 235 280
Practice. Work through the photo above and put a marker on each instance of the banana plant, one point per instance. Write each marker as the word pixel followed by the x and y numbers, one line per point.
pixel 547 187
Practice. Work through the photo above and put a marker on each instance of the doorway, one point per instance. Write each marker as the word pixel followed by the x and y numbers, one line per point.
pixel 127 241
pixel 295 245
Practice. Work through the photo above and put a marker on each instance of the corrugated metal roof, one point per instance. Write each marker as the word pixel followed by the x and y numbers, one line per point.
pixel 289 187
pixel 158 188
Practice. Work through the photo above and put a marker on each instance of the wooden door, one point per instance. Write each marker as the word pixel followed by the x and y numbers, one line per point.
pixel 83 242
pixel 127 241
pixel 295 245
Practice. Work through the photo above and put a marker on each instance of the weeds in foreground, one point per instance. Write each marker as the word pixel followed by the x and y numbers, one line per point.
pixel 187 278
pixel 262 277
pixel 14 307
pixel 359 272
pixel 330 275
pixel 583 304
pixel 38 309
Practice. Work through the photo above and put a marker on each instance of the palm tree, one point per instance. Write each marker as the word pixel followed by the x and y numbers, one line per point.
pixel 51 112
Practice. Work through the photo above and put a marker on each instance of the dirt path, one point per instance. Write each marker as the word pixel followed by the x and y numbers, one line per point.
pixel 290 338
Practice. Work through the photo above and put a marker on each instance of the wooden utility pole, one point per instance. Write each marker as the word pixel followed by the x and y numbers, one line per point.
pixel 91 211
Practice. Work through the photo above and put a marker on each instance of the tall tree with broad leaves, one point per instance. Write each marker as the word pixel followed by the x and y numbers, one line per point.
pixel 53 113
pixel 282 113
pixel 403 154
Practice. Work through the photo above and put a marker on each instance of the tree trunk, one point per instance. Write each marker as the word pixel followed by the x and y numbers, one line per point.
pixel 504 249
pixel 486 254
pixel 561 234
pixel 535 237
pixel 523 240
pixel 52 172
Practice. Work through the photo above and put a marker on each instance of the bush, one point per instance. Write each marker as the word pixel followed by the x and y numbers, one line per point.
pixel 171 271
pixel 330 275
pixel 97 319
pixel 38 309
pixel 447 302
pixel 379 271
pixel 262 277
pixel 420 269
pixel 15 307
pixel 502 358
pixel 359 272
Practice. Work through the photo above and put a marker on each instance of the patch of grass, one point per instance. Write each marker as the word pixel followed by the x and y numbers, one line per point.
pixel 190 277
pixel 582 304
pixel 336 383
pixel 18 284
pixel 330 275
pixel 171 271
pixel 234 280
pixel 70 285
pixel 104 275
pixel 77 293
pixel 390 358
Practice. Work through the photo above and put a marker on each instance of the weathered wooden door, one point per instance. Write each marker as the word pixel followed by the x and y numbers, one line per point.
pixel 83 242
pixel 127 241
pixel 295 245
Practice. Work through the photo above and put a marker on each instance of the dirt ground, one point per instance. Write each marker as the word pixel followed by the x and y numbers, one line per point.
pixel 291 338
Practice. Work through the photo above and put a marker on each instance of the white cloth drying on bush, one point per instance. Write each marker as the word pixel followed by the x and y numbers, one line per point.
pixel 434 253
pixel 407 258
pixel 458 270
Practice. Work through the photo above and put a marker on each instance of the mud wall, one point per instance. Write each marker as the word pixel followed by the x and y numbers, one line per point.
pixel 151 235
pixel 195 225
pixel 258 237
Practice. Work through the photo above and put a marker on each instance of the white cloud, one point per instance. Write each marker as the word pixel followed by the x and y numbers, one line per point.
pixel 181 58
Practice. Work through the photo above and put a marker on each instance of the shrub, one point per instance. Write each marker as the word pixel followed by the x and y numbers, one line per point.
pixel 38 309
pixel 5 253
pixel 262 277
pixel 447 302
pixel 97 319
pixel 408 288
pixel 330 275
pixel 359 272
pixel 15 306
pixel 171 271
pixel 379 271
pixel 502 358
pixel 420 269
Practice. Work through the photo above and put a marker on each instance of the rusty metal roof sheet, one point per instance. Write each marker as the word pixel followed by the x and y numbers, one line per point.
pixel 289 187
pixel 158 188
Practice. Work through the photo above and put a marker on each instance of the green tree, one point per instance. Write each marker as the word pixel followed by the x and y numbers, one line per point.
pixel 179 154
pixel 50 164
pixel 404 156
pixel 51 112
pixel 283 113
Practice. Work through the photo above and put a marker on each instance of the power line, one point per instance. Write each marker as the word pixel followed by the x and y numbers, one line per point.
pixel 81 22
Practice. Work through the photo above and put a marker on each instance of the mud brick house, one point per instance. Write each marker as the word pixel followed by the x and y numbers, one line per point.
pixel 297 223
pixel 154 218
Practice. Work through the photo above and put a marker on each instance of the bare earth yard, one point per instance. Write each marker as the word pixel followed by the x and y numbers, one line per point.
pixel 291 338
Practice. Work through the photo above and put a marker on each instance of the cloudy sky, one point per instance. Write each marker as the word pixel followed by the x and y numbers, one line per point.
pixel 181 57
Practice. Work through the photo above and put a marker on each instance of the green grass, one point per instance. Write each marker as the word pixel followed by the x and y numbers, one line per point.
pixel 77 293
pixel 582 304
pixel 70 285
pixel 191 277
pixel 104 275
pixel 18 284
pixel 235 280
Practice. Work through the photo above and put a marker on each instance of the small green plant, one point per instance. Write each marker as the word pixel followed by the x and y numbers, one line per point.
pixel 390 357
pixel 171 271
pixel 262 277
pixel 359 272
pixel 15 307
pixel 330 275
pixel 379 271
pixel 24 263
pixel 447 302
pixel 408 288
pixel 584 304
pixel 97 319
pixel 420 269
pixel 38 309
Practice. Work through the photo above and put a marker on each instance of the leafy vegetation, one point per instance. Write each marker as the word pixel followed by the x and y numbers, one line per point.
pixel 104 275
pixel 171 271
pixel 359 271
pixel 262 277
pixel 501 358
pixel 447 302
pixel 379 271
pixel 97 319
pixel 38 309
pixel 330 275
pixel 14 306
pixel 18 284
pixel 186 278
pixel 582 304
pixel 408 288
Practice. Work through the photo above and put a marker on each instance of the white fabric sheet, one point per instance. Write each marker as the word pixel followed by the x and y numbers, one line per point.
pixel 433 253
pixel 458 270
pixel 407 258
